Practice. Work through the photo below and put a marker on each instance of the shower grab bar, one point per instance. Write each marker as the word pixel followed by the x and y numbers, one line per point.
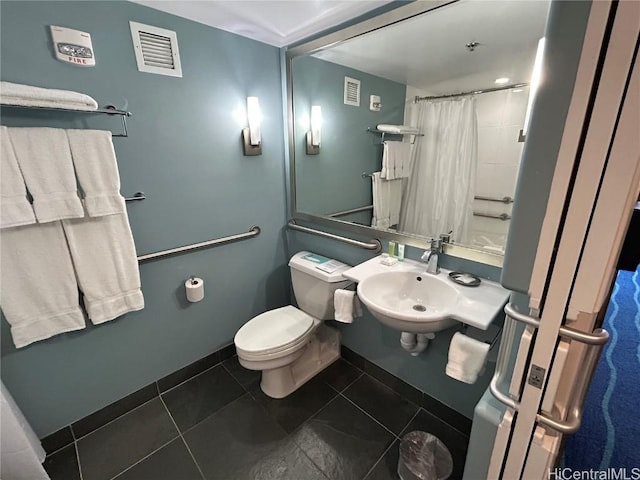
pixel 374 245
pixel 253 231
pixel 594 341
pixel 505 200
pixel 353 210
pixel 502 216
pixel 108 110
pixel 136 196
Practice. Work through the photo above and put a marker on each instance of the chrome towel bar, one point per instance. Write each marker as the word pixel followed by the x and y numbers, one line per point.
pixel 502 216
pixel 108 110
pixel 136 196
pixel 506 200
pixel 594 340
pixel 253 231
pixel 373 245
pixel 349 212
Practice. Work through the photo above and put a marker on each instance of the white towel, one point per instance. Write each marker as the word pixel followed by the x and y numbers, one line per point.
pixel 21 452
pixel 467 358
pixel 39 293
pixel 387 197
pixel 94 160
pixel 347 305
pixel 15 209
pixel 396 160
pixel 45 161
pixel 397 129
pixel 104 257
pixel 29 96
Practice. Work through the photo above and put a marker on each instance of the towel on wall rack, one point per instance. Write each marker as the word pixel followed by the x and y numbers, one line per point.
pixel 15 209
pixel 95 164
pixel 396 160
pixel 398 129
pixel 44 157
pixel 29 96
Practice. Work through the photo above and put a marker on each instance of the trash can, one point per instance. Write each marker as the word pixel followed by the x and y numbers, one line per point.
pixel 423 457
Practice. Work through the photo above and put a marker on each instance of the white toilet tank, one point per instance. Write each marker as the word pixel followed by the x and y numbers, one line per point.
pixel 314 280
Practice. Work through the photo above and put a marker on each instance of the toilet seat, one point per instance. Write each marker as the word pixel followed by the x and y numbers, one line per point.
pixel 272 332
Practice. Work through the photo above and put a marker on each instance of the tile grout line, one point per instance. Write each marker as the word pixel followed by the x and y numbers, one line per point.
pixel 75 446
pixel 183 439
pixel 367 414
pixel 188 379
pixel 379 460
pixel 143 458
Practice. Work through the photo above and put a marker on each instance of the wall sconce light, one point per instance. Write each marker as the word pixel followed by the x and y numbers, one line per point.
pixel 313 135
pixel 251 136
pixel 536 78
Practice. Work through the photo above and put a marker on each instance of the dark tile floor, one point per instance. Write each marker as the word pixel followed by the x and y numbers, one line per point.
pixel 342 424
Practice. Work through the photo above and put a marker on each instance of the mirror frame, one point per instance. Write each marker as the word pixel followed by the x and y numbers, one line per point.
pixel 389 18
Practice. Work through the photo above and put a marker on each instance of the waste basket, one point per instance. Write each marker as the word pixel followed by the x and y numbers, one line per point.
pixel 423 457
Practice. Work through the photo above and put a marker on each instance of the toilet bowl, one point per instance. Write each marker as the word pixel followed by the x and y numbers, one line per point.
pixel 290 345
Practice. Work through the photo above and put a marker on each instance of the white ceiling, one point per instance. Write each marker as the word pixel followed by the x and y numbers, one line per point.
pixel 428 51
pixel 276 22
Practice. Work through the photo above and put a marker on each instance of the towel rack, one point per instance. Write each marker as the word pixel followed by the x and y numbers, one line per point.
pixel 505 200
pixel 253 231
pixel 502 216
pixel 373 245
pixel 136 196
pixel 108 110
pixel 342 213
pixel 382 134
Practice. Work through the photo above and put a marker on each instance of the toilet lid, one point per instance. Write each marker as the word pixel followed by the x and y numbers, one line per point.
pixel 273 330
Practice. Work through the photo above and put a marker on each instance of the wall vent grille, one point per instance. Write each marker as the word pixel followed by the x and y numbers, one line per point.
pixel 351 91
pixel 156 50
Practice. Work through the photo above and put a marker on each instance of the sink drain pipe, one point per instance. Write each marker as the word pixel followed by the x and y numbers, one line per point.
pixel 414 343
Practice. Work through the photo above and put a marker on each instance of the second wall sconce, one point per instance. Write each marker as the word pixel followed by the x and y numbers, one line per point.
pixel 313 135
pixel 251 136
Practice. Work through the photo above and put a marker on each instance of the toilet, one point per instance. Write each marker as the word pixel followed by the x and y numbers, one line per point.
pixel 291 345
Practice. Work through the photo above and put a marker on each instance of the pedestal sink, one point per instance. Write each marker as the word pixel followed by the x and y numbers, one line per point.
pixel 409 301
pixel 405 297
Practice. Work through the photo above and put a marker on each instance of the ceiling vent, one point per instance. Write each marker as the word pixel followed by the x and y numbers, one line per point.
pixel 351 91
pixel 156 50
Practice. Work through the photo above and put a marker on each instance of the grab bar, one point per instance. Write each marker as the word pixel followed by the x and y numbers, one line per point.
pixel 253 231
pixel 349 212
pixel 373 245
pixel 502 216
pixel 506 200
pixel 594 340
pixel 136 196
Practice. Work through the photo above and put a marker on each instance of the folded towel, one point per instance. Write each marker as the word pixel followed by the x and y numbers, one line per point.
pixel 347 305
pixel 467 358
pixel 45 161
pixel 15 209
pixel 398 129
pixel 396 160
pixel 39 292
pixel 95 162
pixel 104 257
pixel 387 198
pixel 28 96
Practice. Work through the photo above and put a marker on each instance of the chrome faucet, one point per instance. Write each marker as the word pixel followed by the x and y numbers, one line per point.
pixel 431 256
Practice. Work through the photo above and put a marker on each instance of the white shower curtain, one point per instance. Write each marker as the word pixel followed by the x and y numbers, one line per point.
pixel 439 194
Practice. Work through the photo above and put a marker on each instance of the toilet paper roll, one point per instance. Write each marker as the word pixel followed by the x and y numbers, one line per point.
pixel 195 289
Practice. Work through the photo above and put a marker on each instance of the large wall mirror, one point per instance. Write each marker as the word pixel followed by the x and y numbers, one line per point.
pixel 408 129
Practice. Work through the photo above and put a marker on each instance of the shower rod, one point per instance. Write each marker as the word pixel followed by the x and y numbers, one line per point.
pixel 473 92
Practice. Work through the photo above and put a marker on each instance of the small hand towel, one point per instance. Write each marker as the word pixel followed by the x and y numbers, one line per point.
pixel 95 163
pixel 347 305
pixel 396 156
pixel 45 161
pixel 15 209
pixel 29 96
pixel 467 358
pixel 104 257
pixel 39 292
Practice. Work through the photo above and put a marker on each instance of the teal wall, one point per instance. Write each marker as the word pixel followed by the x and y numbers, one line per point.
pixel 381 344
pixel 332 180
pixel 184 152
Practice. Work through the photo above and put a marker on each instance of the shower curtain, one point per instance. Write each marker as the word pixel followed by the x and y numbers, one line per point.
pixel 439 195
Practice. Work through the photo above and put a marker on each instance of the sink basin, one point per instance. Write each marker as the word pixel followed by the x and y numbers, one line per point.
pixel 409 301
pixel 403 296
